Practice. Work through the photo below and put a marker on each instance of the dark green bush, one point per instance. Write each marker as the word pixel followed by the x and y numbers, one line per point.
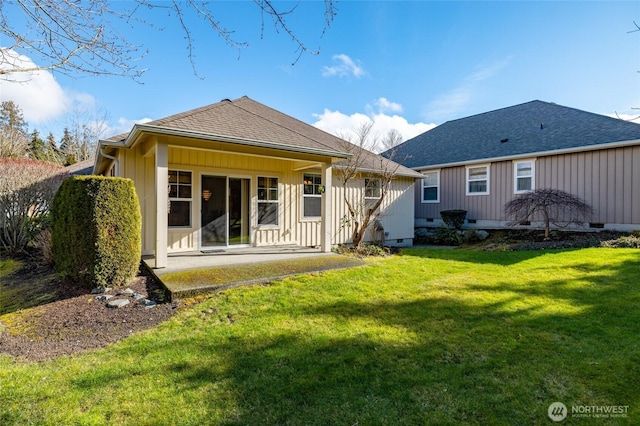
pixel 96 230
pixel 454 218
pixel 448 236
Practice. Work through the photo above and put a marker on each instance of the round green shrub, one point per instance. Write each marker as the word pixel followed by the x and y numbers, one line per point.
pixel 96 230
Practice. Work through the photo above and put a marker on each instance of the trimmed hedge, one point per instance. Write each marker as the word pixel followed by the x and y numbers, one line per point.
pixel 96 230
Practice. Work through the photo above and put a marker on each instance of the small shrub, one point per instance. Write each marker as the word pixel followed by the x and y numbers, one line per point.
pixel 454 218
pixel 96 230
pixel 626 241
pixel 42 242
pixel 448 236
pixel 424 236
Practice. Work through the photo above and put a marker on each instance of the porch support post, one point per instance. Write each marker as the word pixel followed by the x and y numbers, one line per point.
pixel 162 198
pixel 326 223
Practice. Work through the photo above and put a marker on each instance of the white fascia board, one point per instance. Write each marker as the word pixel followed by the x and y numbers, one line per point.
pixel 139 128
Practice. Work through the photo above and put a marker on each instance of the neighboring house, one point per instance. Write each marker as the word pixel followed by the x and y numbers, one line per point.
pixel 238 173
pixel 82 168
pixel 481 162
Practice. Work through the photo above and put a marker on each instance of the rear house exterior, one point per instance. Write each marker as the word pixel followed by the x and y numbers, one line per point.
pixel 238 173
pixel 481 162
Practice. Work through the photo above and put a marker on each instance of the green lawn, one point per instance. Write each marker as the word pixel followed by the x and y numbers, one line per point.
pixel 429 337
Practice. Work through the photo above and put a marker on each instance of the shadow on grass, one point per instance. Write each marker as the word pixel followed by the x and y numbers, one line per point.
pixel 433 360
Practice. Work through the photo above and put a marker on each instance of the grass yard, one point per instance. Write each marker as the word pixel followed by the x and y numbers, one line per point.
pixel 428 337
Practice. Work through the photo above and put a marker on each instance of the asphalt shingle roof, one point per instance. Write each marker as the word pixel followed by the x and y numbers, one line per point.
pixel 518 130
pixel 246 119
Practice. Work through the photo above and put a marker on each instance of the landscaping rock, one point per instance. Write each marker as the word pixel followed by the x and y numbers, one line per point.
pixel 147 303
pixel 100 290
pixel 138 296
pixel 126 292
pixel 103 297
pixel 118 303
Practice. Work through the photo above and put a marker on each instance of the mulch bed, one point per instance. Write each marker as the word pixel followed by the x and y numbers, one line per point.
pixel 76 321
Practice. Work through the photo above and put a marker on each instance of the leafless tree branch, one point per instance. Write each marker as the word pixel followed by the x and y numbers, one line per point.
pixel 84 37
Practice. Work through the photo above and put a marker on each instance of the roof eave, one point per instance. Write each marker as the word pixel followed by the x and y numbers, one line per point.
pixel 138 129
pixel 610 145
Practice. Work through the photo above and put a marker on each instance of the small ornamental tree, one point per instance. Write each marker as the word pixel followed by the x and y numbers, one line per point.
pixel 376 174
pixel 27 188
pixel 96 231
pixel 552 205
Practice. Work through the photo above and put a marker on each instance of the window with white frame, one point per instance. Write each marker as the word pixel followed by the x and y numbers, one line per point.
pixel 311 195
pixel 268 204
pixel 180 185
pixel 478 180
pixel 372 188
pixel 523 173
pixel 431 186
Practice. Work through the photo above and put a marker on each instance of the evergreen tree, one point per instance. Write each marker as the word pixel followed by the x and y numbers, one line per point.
pixel 68 148
pixel 14 139
pixel 37 149
pixel 53 152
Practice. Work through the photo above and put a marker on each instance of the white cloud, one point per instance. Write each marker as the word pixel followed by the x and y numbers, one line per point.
pixel 452 103
pixel 344 125
pixel 345 67
pixel 124 125
pixel 37 93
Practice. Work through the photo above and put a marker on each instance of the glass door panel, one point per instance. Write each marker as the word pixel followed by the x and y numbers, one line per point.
pixel 238 211
pixel 214 211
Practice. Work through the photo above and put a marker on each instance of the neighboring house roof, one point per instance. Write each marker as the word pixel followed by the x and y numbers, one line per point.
pixel 82 168
pixel 531 128
pixel 245 121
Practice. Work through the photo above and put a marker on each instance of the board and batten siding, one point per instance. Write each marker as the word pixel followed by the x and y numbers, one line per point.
pixel 292 229
pixel 394 212
pixel 608 180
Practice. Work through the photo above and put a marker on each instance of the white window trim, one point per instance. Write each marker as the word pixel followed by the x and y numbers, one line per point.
pixel 258 201
pixel 190 200
pixel 379 188
pixel 310 218
pixel 515 175
pixel 467 180
pixel 423 186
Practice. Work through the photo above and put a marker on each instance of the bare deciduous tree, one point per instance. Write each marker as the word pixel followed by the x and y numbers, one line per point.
pixel 392 139
pixel 554 206
pixel 375 173
pixel 85 36
pixel 27 188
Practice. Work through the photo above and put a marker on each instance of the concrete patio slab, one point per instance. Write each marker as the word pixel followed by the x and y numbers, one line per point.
pixel 245 258
pixel 232 257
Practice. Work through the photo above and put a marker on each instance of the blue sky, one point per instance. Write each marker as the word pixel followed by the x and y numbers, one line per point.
pixel 404 65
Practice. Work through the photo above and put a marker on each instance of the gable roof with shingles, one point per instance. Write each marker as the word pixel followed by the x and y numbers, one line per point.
pixel 529 128
pixel 244 119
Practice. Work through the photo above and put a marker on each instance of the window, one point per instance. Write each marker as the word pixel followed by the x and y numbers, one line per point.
pixel 372 188
pixel 312 195
pixel 267 201
pixel 523 172
pixel 478 180
pixel 431 187
pixel 179 198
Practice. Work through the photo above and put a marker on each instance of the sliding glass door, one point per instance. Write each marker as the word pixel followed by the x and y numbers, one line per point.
pixel 225 211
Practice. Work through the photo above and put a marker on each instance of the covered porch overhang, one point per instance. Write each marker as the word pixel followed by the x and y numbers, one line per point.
pixel 155 144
